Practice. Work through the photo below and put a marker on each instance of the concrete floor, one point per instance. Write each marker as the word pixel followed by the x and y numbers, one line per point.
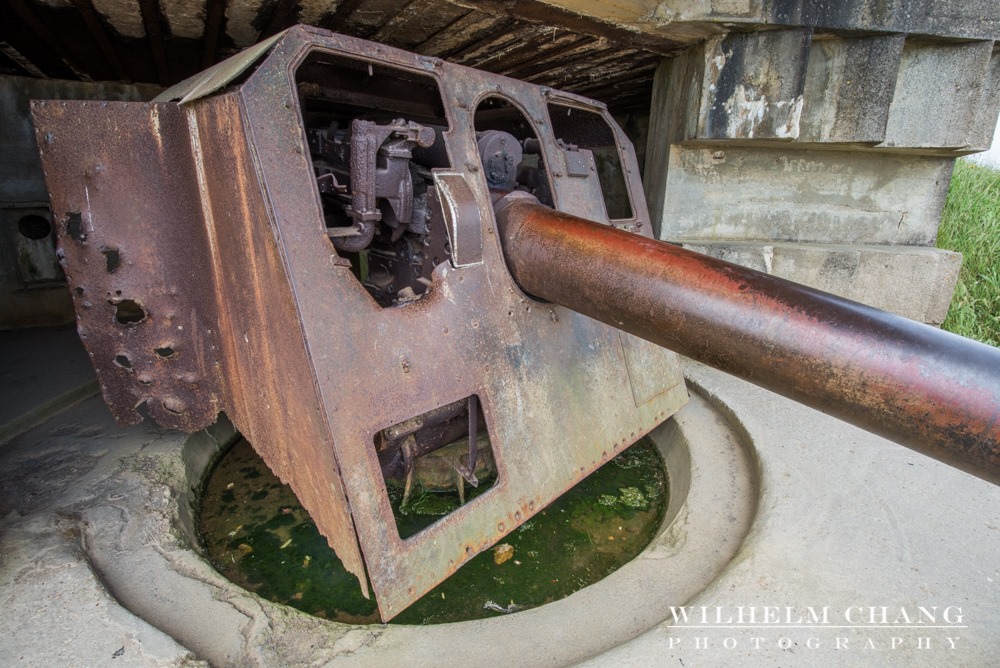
pixel 846 524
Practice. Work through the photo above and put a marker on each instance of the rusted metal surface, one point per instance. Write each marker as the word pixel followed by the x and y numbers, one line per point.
pixel 224 238
pixel 140 281
pixel 924 388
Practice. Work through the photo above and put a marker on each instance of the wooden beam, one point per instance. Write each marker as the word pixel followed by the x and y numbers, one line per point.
pixel 546 13
pixel 395 22
pixel 471 27
pixel 501 34
pixel 51 41
pixel 93 22
pixel 548 65
pixel 340 15
pixel 280 18
pixel 540 55
pixel 152 24
pixel 21 61
pixel 215 12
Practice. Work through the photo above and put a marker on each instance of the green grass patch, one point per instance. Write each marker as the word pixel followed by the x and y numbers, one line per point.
pixel 970 225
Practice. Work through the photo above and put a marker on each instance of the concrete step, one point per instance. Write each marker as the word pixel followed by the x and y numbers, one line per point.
pixel 914 282
pixel 767 194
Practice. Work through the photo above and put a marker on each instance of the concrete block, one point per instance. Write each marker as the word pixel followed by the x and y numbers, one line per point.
pixel 970 19
pixel 849 86
pixel 910 281
pixel 676 79
pixel 765 194
pixel 939 96
pixel 752 85
pixel 981 132
pixel 687 21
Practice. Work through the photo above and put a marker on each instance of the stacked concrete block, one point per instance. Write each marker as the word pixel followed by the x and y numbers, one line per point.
pixel 805 153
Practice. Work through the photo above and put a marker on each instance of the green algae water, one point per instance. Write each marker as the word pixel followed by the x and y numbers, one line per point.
pixel 258 536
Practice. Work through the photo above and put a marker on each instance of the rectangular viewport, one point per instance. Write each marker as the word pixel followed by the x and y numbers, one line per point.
pixel 434 463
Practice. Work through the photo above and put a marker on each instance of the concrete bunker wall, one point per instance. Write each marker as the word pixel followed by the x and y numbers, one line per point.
pixel 821 158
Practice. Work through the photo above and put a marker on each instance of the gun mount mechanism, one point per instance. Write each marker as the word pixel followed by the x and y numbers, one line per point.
pixel 349 248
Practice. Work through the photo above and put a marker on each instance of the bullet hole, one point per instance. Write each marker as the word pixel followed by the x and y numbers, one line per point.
pixel 74 226
pixel 79 290
pixel 112 258
pixel 34 227
pixel 165 351
pixel 128 311
pixel 123 361
pixel 143 410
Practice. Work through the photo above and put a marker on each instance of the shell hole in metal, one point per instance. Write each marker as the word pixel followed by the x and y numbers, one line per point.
pixel 128 311
pixel 112 258
pixel 257 535
pixel 74 226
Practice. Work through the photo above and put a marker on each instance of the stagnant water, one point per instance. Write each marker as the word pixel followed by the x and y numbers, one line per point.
pixel 258 535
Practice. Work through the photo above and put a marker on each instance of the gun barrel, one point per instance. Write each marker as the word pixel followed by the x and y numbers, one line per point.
pixel 921 387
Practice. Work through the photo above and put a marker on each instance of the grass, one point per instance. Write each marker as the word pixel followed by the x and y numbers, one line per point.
pixel 971 225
